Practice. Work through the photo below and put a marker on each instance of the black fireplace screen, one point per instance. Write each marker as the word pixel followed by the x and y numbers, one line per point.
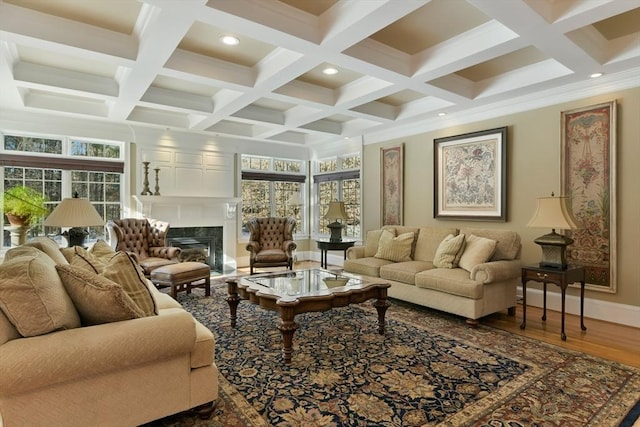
pixel 200 244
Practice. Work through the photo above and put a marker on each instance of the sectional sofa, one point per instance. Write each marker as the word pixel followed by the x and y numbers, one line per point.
pixel 470 272
pixel 85 340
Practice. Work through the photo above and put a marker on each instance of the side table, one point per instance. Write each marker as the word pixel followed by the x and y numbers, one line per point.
pixel 326 245
pixel 562 278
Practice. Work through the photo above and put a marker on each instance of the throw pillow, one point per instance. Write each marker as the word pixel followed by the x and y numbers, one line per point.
pixel 98 299
pixel 397 249
pixel 372 240
pixel 476 251
pixel 449 251
pixel 49 247
pixel 123 270
pixel 82 258
pixel 102 250
pixel 33 297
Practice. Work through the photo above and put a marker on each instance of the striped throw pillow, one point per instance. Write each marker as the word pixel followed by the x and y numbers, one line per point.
pixel 123 270
pixel 449 251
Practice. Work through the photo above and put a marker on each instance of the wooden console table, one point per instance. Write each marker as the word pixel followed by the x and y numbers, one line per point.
pixel 562 278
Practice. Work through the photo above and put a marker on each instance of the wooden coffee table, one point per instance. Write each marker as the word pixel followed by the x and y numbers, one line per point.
pixel 303 291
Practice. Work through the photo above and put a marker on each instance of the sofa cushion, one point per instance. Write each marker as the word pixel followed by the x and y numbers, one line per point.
pixel 428 240
pixel 123 270
pixel 49 247
pixel 453 281
pixel 80 257
pixel 372 239
pixel 369 266
pixel 404 271
pixel 508 246
pixel 449 251
pixel 397 249
pixel 477 250
pixel 98 299
pixel 32 295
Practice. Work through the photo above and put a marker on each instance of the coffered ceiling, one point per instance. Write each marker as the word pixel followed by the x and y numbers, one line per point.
pixel 401 63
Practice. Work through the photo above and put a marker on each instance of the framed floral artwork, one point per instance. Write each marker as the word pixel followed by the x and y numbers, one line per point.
pixel 470 176
pixel 392 167
pixel 588 166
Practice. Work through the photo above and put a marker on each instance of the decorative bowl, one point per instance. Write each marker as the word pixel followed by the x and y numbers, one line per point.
pixel 335 282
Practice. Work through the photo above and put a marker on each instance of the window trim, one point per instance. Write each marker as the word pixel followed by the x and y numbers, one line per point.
pixel 64 163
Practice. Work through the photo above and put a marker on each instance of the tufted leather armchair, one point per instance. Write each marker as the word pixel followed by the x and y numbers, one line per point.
pixel 271 242
pixel 145 240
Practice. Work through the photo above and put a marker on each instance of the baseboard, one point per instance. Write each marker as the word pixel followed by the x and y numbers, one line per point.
pixel 623 314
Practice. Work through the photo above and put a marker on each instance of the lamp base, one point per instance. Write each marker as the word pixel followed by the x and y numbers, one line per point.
pixel 336 231
pixel 554 247
pixel 75 236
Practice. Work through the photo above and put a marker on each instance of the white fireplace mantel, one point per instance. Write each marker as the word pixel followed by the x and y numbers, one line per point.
pixel 193 211
pixel 188 211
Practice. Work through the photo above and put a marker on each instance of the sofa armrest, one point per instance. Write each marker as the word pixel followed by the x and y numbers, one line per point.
pixel 355 252
pixel 57 357
pixel 168 252
pixel 496 271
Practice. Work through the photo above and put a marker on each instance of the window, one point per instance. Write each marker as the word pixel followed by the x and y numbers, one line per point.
pixel 273 187
pixel 339 179
pixel 93 169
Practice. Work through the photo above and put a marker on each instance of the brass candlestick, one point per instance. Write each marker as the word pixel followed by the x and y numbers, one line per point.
pixel 157 193
pixel 145 184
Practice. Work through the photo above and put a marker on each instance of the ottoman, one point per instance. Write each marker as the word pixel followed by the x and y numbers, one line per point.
pixel 183 276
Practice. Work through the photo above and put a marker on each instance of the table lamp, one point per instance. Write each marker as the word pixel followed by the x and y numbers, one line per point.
pixel 555 213
pixel 336 212
pixel 75 213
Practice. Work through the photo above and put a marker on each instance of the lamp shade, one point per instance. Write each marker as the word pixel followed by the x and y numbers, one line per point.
pixel 554 212
pixel 296 199
pixel 74 212
pixel 336 211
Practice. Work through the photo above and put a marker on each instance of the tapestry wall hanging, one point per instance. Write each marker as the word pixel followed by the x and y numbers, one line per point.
pixel 588 177
pixel 392 168
pixel 470 176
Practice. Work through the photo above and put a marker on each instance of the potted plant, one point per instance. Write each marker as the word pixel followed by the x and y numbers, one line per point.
pixel 23 205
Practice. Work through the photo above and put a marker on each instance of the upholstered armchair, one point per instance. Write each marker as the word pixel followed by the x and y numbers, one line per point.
pixel 271 242
pixel 145 240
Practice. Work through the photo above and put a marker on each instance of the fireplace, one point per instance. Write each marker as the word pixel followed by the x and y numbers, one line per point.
pixel 201 244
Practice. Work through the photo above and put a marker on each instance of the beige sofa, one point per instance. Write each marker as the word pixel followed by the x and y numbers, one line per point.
pixel 61 366
pixel 484 287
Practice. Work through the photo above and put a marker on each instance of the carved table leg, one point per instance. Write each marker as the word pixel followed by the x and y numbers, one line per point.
pixel 287 327
pixel 233 299
pixel 381 305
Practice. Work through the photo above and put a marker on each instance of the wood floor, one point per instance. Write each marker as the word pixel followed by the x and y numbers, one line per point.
pixel 610 341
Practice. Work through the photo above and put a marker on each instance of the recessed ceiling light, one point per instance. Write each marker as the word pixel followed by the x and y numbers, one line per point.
pixel 594 75
pixel 442 114
pixel 330 71
pixel 230 40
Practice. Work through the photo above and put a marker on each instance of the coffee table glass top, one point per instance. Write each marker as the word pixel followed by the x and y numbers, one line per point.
pixel 304 282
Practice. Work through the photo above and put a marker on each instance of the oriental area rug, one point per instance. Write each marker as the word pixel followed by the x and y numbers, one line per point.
pixel 428 369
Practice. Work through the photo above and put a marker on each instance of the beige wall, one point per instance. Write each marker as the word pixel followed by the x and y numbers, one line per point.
pixel 533 158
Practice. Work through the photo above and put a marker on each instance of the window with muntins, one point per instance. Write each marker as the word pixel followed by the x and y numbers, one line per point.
pixel 273 187
pixel 60 167
pixel 339 179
